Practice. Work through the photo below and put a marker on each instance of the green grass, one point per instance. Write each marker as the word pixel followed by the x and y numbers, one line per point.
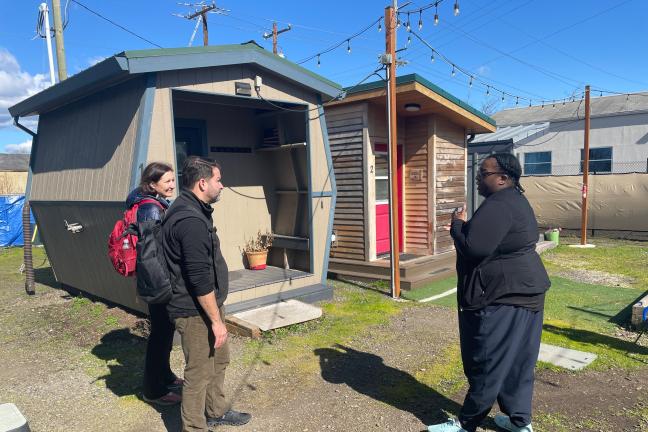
pixel 354 312
pixel 620 258
pixel 584 317
pixel 431 289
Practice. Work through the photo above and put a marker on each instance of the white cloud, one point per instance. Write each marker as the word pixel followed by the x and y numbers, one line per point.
pixel 483 70
pixel 16 85
pixel 23 147
pixel 94 60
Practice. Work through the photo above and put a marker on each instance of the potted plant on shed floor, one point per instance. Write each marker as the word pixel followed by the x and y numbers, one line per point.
pixel 256 250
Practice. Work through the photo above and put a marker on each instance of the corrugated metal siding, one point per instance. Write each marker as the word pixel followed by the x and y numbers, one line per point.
pixel 450 178
pixel 345 130
pixel 81 260
pixel 85 149
pixel 417 227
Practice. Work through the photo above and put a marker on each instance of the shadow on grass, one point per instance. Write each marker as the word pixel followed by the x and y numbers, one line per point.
pixel 621 318
pixel 45 276
pixel 124 353
pixel 593 338
pixel 366 373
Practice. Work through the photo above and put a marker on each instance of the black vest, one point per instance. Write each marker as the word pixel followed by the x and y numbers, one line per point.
pixel 182 303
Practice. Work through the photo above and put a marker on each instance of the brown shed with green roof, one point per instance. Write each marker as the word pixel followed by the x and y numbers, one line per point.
pixel 99 128
pixel 433 126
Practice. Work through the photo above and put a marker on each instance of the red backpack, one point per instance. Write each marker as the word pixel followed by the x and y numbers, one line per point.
pixel 122 241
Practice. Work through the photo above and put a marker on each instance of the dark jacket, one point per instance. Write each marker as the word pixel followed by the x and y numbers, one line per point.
pixel 496 258
pixel 147 211
pixel 192 251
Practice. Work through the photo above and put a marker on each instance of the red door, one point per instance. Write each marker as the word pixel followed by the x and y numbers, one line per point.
pixel 382 199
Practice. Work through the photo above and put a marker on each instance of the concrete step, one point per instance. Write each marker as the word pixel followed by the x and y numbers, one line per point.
pixel 11 419
pixel 421 280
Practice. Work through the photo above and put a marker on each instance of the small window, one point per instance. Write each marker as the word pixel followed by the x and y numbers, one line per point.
pixel 382 178
pixel 600 159
pixel 536 163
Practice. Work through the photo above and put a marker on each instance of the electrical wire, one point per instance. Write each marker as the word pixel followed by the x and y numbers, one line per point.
pixel 347 41
pixel 343 92
pixel 115 24
pixel 475 79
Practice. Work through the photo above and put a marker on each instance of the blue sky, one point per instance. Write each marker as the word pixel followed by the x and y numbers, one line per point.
pixel 535 49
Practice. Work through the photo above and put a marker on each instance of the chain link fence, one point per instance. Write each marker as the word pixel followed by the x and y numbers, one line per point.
pixel 596 167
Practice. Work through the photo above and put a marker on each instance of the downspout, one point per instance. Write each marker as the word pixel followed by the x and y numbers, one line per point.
pixel 28 260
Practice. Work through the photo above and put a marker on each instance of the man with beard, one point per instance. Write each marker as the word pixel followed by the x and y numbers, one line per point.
pixel 200 283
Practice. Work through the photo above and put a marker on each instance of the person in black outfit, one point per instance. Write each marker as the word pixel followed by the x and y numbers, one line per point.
pixel 500 291
pixel 200 275
pixel 156 185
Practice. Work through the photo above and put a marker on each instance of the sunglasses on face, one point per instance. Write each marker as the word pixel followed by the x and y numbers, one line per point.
pixel 484 174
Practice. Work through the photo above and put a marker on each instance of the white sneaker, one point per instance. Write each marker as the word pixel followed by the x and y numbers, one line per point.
pixel 450 426
pixel 504 422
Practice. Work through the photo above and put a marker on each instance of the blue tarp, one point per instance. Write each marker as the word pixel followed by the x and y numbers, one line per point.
pixel 11 228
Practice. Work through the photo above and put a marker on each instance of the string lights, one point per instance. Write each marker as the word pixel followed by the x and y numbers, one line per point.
pixel 474 80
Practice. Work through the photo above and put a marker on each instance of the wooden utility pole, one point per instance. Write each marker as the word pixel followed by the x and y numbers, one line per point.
pixel 274 35
pixel 203 16
pixel 585 168
pixel 58 36
pixel 394 219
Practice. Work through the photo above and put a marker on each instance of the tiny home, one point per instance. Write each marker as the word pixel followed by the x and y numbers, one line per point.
pixel 260 116
pixel 432 129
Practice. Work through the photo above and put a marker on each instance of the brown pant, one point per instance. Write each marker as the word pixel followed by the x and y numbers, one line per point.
pixel 204 373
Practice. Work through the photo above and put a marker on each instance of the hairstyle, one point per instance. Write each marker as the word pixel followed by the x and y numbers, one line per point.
pixel 152 174
pixel 196 168
pixel 511 166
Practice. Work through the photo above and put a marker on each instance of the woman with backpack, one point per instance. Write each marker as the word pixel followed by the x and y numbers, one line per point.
pixel 161 385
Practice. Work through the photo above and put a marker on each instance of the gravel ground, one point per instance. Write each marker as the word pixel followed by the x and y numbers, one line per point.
pixel 52 367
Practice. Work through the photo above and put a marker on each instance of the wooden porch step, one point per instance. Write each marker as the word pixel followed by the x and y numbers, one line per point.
pixel 427 278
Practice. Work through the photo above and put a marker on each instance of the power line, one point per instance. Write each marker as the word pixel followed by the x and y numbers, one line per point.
pixel 474 80
pixel 115 24
pixel 562 30
pixel 568 55
pixel 347 41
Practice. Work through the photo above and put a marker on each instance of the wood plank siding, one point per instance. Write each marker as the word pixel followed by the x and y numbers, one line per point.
pixel 416 193
pixel 450 178
pixel 346 137
pixel 84 151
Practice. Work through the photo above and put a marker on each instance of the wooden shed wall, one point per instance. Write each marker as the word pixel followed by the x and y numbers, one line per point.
pixel 13 182
pixel 416 192
pixel 235 210
pixel 450 142
pixel 80 260
pixel 248 201
pixel 84 150
pixel 346 126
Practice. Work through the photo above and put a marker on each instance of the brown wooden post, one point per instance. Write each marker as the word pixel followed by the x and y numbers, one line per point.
pixel 58 37
pixel 205 30
pixel 274 38
pixel 390 39
pixel 585 168
pixel 203 15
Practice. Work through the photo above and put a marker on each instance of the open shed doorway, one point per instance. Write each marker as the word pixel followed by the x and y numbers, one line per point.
pixel 263 148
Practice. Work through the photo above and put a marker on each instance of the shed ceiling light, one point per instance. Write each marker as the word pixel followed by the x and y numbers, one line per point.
pixel 412 107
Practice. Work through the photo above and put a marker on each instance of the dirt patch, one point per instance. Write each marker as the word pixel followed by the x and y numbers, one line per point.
pixel 398 376
pixel 596 277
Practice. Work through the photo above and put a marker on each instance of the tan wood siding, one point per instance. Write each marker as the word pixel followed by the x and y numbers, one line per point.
pixel 85 150
pixel 346 137
pixel 80 260
pixel 415 185
pixel 450 181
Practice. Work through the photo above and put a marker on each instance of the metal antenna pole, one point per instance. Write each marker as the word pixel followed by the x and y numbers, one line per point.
pixel 48 37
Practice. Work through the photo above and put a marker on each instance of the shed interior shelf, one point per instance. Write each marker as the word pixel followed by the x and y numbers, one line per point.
pixel 300 145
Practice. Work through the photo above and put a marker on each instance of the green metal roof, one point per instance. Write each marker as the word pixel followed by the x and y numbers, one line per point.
pixel 406 79
pixel 127 64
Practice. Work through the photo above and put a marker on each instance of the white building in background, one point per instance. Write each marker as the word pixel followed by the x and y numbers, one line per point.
pixel 548 139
